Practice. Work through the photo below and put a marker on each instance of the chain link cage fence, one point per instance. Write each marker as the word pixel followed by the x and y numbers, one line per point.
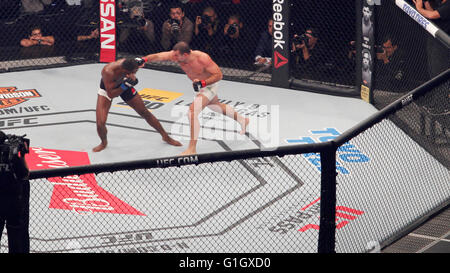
pixel 407 181
pixel 263 204
pixel 404 62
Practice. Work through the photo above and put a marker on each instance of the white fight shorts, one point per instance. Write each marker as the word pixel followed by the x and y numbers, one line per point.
pixel 209 91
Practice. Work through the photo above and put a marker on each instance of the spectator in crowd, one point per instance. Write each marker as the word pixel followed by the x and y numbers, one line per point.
pixel 350 63
pixel 177 28
pixel 391 66
pixel 263 51
pixel 438 11
pixel 88 43
pixel 93 35
pixel 36 44
pixel 308 53
pixel 138 33
pixel 206 30
pixel 35 38
pixel 34 6
pixel 233 46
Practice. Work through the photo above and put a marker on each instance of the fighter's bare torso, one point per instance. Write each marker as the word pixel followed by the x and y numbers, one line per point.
pixel 195 66
pixel 112 72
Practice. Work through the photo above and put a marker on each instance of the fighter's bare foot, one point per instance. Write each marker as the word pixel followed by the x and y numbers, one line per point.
pixel 244 125
pixel 100 147
pixel 172 141
pixel 189 151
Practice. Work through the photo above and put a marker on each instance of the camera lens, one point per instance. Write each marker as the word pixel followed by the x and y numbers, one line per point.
pixel 232 29
pixel 206 20
pixel 141 21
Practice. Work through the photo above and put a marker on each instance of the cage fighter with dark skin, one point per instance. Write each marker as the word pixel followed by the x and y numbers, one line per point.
pixel 119 79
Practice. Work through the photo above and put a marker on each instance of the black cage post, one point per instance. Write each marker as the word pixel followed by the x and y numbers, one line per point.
pixel 327 229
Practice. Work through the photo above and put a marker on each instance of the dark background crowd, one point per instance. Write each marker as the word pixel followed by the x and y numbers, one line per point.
pixel 236 33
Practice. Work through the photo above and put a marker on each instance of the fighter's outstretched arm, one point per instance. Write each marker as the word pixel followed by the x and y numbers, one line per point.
pixel 161 56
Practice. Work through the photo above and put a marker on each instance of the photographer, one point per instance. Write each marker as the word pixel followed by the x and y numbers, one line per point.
pixel 233 47
pixel 308 53
pixel 391 66
pixel 137 33
pixel 14 192
pixel 177 28
pixel 206 30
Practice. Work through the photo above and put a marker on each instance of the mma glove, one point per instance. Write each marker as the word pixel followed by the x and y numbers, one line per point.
pixel 198 85
pixel 128 83
pixel 140 61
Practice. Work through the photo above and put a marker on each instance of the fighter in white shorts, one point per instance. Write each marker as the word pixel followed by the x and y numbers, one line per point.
pixel 204 73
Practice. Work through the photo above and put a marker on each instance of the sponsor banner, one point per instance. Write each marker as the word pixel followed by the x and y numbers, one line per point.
pixel 306 219
pixel 154 98
pixel 10 96
pixel 107 31
pixel 419 18
pixel 78 193
pixel 367 53
pixel 280 43
pixel 347 155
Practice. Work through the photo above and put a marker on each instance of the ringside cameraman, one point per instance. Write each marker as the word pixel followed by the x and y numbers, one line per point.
pixel 14 192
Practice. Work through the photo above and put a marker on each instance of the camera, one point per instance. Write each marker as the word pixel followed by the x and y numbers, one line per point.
pixel 174 25
pixel 139 21
pixel 302 39
pixel 232 29
pixel 379 49
pixel 206 20
pixel 12 147
pixel 136 11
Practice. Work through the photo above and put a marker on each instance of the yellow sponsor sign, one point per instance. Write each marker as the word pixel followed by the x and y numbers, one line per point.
pixel 154 98
pixel 157 95
pixel 365 93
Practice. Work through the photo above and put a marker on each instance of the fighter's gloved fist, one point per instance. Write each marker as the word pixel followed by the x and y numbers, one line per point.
pixel 198 84
pixel 140 61
pixel 128 83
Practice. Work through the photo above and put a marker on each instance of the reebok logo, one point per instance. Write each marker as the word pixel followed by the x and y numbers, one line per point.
pixel 280 60
pixel 278 24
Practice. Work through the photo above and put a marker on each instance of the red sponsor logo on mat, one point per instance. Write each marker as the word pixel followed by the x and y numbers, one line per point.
pixel 343 216
pixel 79 193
